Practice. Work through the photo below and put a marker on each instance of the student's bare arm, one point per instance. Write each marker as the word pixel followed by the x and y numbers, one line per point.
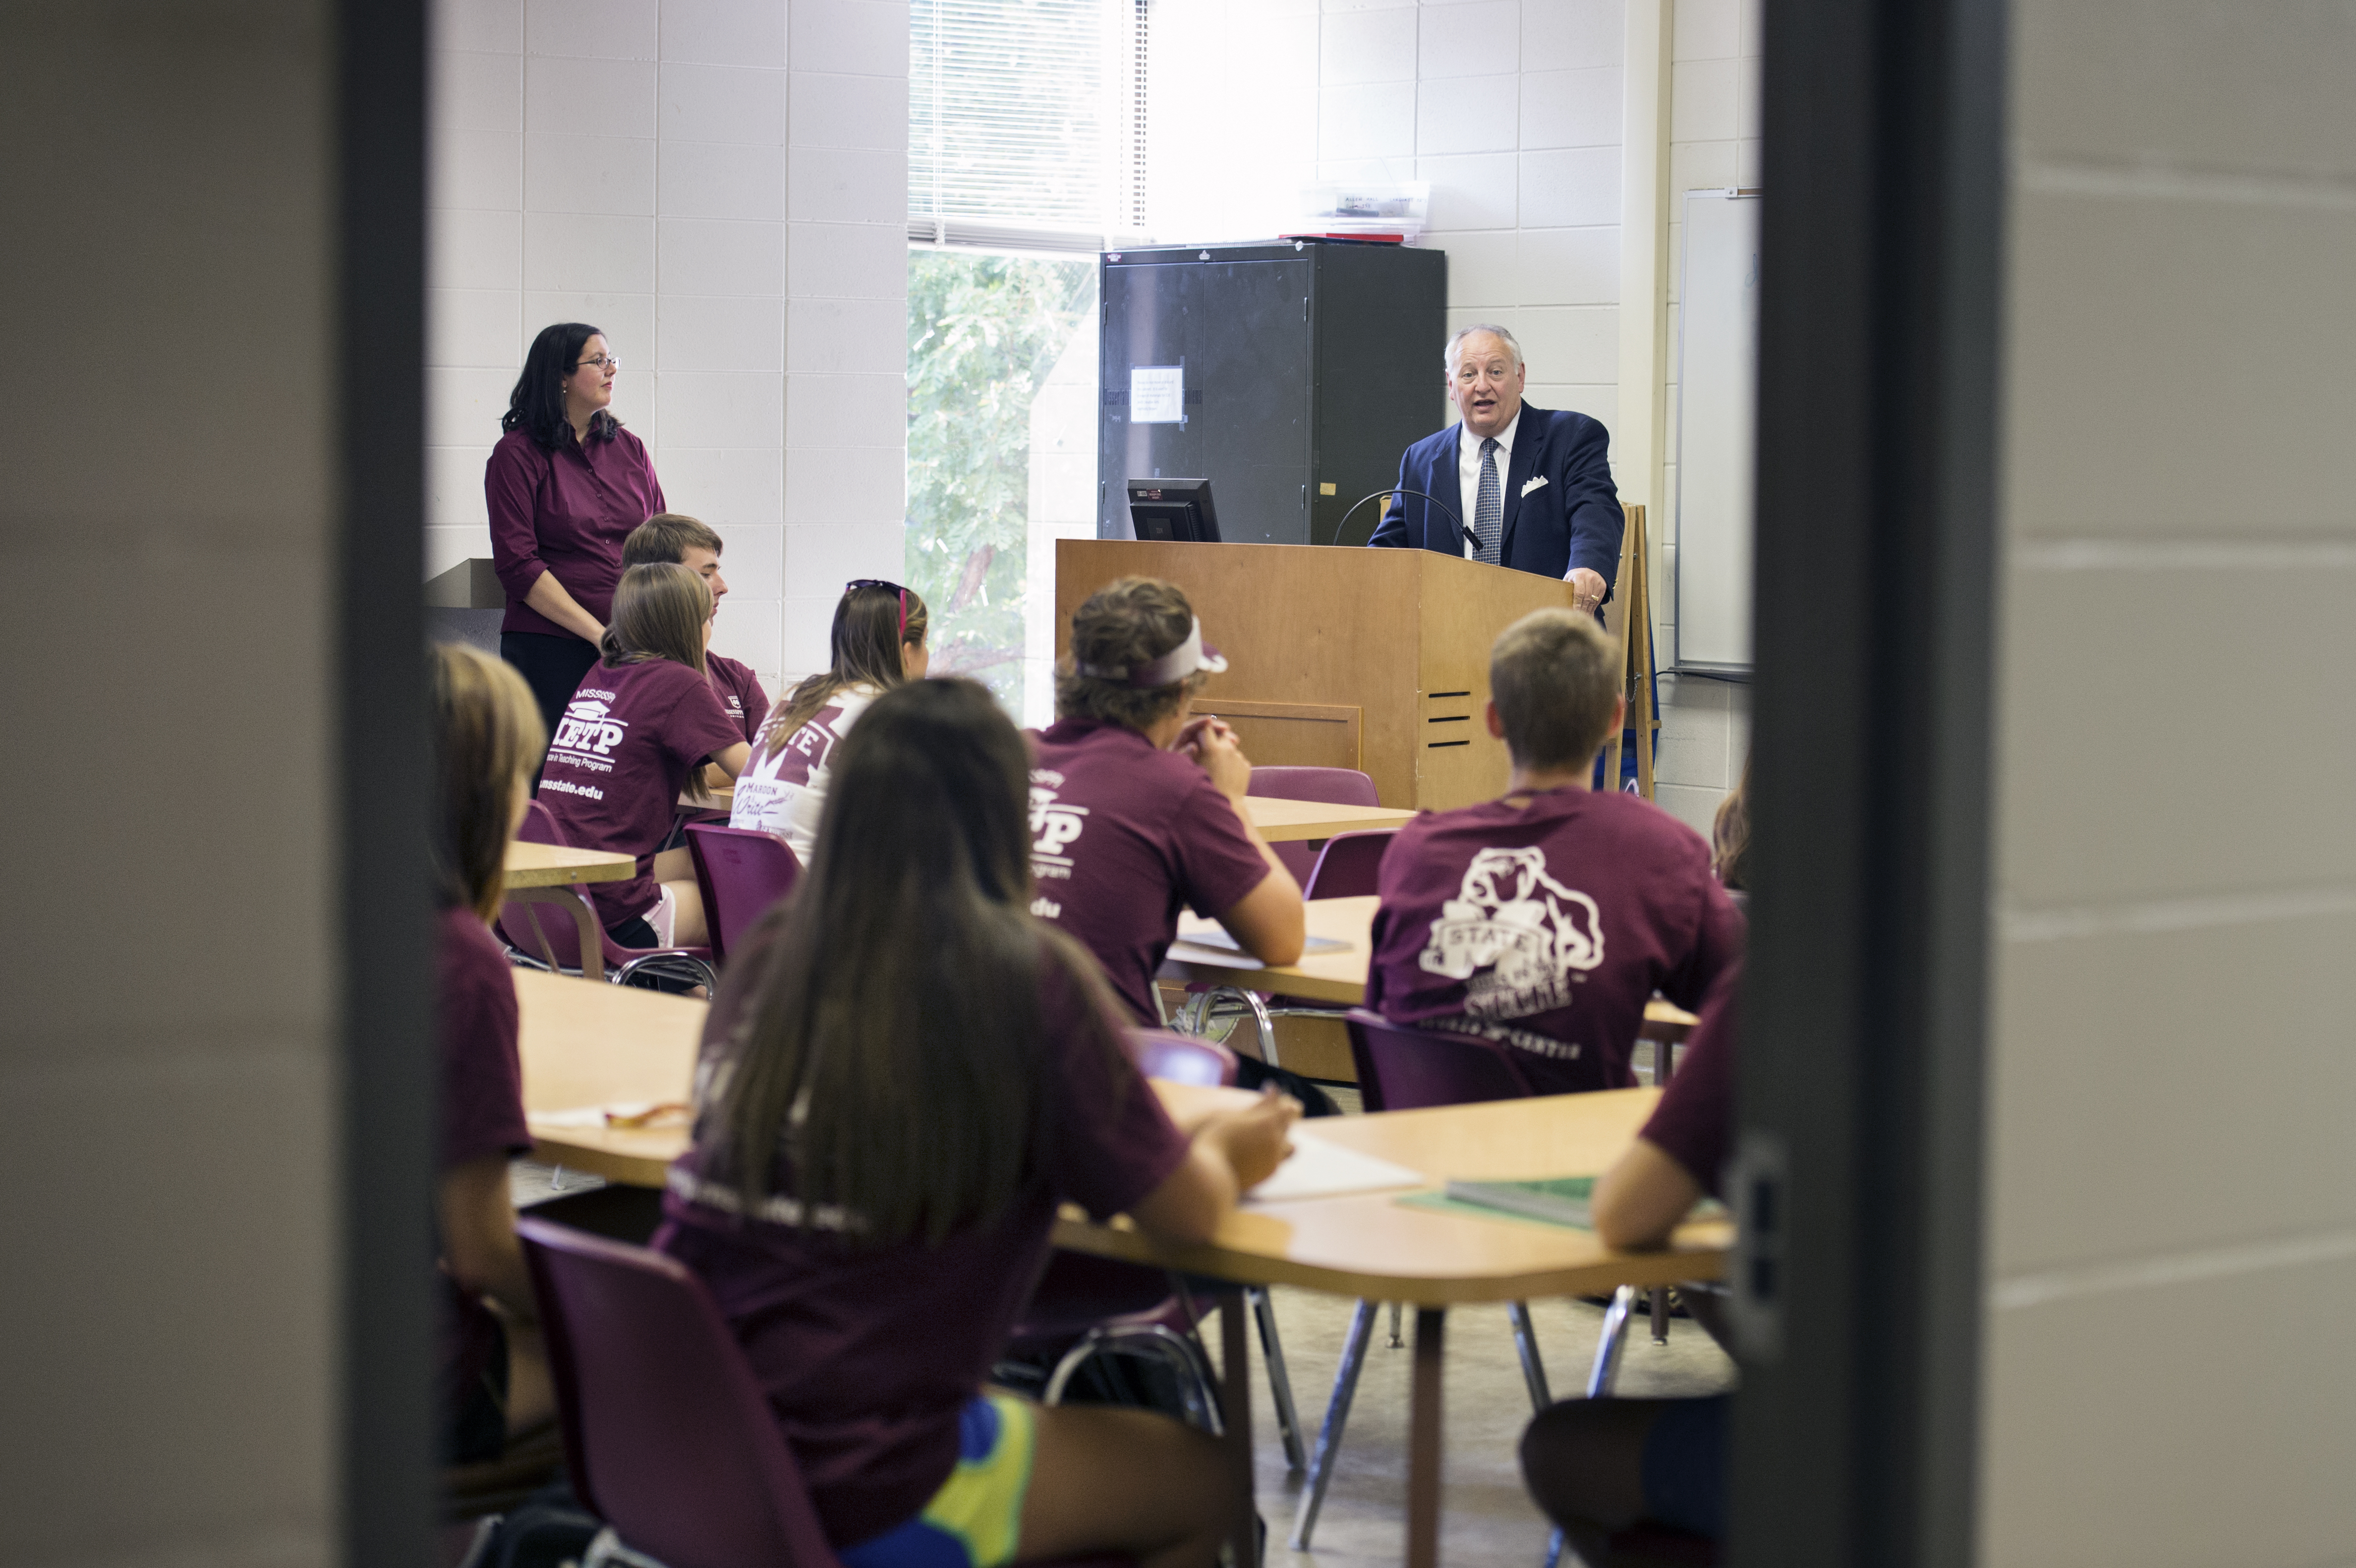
pixel 1640 1198
pixel 732 761
pixel 551 598
pixel 478 1234
pixel 1229 1155
pixel 1270 922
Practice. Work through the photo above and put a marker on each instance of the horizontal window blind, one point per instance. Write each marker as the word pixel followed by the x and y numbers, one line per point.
pixel 1021 121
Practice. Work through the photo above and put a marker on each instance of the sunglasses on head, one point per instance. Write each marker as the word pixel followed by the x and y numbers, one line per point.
pixel 859 582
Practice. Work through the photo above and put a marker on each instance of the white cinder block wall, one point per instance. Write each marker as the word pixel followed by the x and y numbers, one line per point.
pixel 720 185
pixel 2172 1185
pixel 1511 109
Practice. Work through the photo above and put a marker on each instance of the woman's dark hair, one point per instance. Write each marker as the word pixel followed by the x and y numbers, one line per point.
pixel 891 1048
pixel 1130 622
pixel 867 638
pixel 536 407
pixel 1729 835
pixel 485 738
pixel 659 613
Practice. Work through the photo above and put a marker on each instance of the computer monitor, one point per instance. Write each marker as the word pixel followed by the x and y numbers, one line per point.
pixel 1176 510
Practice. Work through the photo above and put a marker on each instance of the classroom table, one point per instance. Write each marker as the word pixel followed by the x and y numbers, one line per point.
pixel 1278 821
pixel 535 873
pixel 1337 976
pixel 587 1048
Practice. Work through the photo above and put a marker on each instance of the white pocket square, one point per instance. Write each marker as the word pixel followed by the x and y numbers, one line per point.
pixel 1533 483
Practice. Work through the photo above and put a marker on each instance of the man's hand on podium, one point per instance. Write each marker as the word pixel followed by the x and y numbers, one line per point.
pixel 1208 740
pixel 1586 586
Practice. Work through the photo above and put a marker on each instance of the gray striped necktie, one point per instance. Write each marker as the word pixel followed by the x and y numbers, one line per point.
pixel 1489 506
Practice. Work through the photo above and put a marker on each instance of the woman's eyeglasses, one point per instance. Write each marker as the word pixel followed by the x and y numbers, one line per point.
pixel 602 362
pixel 859 582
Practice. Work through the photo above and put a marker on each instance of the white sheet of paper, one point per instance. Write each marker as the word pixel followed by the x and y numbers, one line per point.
pixel 1320 1169
pixel 1157 394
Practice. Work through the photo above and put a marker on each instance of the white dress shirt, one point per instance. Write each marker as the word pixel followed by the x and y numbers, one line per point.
pixel 1468 475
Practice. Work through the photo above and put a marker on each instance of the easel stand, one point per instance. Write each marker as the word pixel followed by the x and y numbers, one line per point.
pixel 1631 605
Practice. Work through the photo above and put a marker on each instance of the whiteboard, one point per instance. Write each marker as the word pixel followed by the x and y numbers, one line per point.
pixel 1717 379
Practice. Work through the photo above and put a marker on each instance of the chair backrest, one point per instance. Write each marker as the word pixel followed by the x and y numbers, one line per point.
pixel 743 873
pixel 669 1437
pixel 1345 867
pixel 1179 1058
pixel 1408 1069
pixel 1330 786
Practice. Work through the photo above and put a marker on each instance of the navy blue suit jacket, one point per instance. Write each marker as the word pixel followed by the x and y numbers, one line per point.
pixel 1572 520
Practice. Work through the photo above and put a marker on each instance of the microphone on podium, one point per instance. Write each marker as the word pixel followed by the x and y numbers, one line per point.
pixel 1393 490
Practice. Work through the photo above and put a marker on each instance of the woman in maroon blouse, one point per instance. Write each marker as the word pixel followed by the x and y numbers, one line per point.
pixel 565 485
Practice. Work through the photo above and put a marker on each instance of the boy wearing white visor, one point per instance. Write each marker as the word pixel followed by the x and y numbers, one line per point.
pixel 1137 804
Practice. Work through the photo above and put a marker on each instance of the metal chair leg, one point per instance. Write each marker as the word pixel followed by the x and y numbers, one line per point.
pixel 1153 1342
pixel 1396 1343
pixel 1337 1416
pixel 1526 1340
pixel 1606 1370
pixel 1660 1315
pixel 1279 1381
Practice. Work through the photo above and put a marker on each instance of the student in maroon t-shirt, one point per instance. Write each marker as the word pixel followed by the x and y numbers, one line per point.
pixel 494 1377
pixel 1545 919
pixel 877 642
pixel 1137 806
pixel 564 486
pixel 1598 1466
pixel 903 1077
pixel 643 723
pixel 675 539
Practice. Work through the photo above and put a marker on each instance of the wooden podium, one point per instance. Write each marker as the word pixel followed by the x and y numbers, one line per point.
pixel 1375 659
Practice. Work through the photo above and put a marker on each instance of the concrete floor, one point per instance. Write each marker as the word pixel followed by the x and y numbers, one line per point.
pixel 1487 1519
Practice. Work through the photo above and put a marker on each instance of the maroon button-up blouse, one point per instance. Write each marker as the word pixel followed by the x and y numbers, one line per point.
pixel 567 512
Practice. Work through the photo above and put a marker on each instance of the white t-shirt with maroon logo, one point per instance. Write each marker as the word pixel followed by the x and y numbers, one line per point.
pixel 1121 836
pixel 785 793
pixel 628 740
pixel 1547 927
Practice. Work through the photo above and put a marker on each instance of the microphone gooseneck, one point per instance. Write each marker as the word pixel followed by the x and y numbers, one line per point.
pixel 1394 490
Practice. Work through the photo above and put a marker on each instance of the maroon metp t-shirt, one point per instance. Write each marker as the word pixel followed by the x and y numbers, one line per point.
pixel 627 742
pixel 567 512
pixel 867 1357
pixel 1548 926
pixel 482 1115
pixel 1694 1123
pixel 740 693
pixel 1122 835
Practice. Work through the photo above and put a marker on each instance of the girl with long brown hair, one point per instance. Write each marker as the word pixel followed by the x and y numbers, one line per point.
pixel 485 738
pixel 903 1074
pixel 878 642
pixel 643 723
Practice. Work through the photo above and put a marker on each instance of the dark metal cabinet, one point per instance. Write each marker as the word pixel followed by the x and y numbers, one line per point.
pixel 1306 370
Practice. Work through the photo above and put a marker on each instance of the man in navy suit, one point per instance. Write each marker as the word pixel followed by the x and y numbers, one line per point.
pixel 1533 486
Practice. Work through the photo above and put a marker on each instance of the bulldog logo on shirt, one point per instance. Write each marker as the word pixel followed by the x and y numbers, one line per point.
pixel 1514 936
pixel 588 732
pixel 1053 826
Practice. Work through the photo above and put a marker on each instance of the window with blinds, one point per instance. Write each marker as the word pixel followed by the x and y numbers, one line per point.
pixel 1026 122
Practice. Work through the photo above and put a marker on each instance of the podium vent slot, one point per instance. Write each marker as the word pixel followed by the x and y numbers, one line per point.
pixel 1437 745
pixel 1451 718
pixel 1435 695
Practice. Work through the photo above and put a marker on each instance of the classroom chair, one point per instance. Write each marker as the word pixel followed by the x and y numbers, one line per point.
pixel 669 1438
pixel 742 872
pixel 541 933
pixel 1345 869
pixel 1090 1307
pixel 1328 786
pixel 1407 1070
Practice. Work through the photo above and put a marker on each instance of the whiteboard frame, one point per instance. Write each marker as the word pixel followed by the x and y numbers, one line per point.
pixel 1748 397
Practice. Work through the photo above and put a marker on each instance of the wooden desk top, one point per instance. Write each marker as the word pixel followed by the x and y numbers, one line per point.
pixel 556 866
pixel 1337 976
pixel 1283 821
pixel 587 1045
pixel 1371 1246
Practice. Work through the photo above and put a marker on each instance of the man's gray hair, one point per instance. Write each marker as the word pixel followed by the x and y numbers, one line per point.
pixel 1454 338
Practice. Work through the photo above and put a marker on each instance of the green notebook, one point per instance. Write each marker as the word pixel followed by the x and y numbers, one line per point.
pixel 1558 1201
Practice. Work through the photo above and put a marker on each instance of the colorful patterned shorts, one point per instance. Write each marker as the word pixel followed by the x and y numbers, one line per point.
pixel 975 1520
